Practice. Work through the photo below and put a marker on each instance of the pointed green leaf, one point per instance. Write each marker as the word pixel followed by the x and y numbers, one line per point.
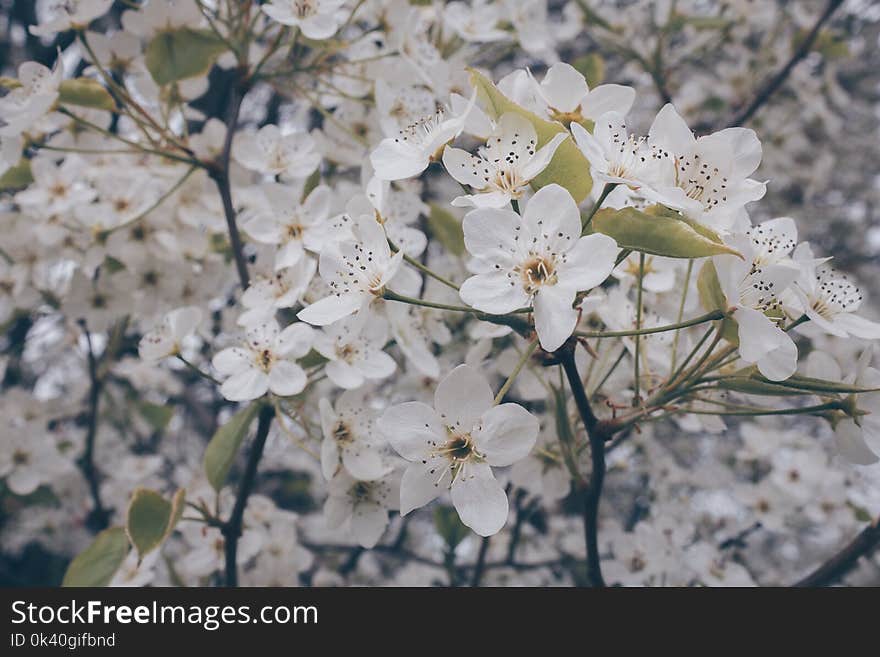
pixel 147 520
pixel 85 92
pixel 658 234
pixel 222 449
pixel 592 67
pixel 801 382
pixel 17 177
pixel 183 53
pixel 449 526
pixel 157 415
pixel 96 565
pixel 750 386
pixel 568 167
pixel 178 503
pixel 446 228
pixel 312 359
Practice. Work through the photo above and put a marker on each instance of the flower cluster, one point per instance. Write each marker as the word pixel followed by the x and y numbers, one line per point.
pixel 335 251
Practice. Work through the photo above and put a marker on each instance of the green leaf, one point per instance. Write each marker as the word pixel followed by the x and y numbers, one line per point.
pixel 147 520
pixel 96 565
pixel 712 298
pixel 157 415
pixel 658 234
pixel 568 167
pixel 449 526
pixel 711 295
pixel 592 67
pixel 17 177
pixel 85 92
pixel 750 386
pixel 183 53
pixel 801 382
pixel 222 449
pixel 446 227
pixel 151 518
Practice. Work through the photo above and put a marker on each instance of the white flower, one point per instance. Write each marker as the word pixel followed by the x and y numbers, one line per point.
pixel 538 259
pixel 284 289
pixel 417 145
pixel 829 299
pixel 56 188
pixel 752 291
pixel 66 14
pixel 356 270
pixel 415 330
pixel 543 472
pixel 857 439
pixel 456 443
pixel 266 362
pixel 318 19
pixel 355 351
pixel 475 23
pixel 363 505
pixel 709 179
pixel 270 152
pixel 350 438
pixel 28 460
pixel 504 167
pixel 166 339
pixel 291 226
pixel 568 98
pixel 21 108
pixel 615 156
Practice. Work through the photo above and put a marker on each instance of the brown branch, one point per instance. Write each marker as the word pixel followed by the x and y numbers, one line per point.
pixel 99 517
pixel 773 85
pixel 842 562
pixel 232 527
pixel 220 174
pixel 597 435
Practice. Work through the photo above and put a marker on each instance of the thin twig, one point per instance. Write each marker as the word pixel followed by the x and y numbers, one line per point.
pixel 773 85
pixel 842 562
pixel 233 526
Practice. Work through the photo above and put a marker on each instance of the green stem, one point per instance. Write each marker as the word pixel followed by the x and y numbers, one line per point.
pixel 609 187
pixel 702 319
pixel 636 381
pixel 684 294
pixel 422 268
pixel 522 361
pixel 155 205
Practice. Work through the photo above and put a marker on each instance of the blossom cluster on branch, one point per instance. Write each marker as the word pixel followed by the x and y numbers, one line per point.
pixel 275 277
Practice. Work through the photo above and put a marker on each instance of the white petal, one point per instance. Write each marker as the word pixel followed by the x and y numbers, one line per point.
pixel 286 378
pixel 493 293
pixel 363 462
pixel 394 160
pixel 418 486
pixel 480 500
pixel 294 341
pixel 246 385
pixel 555 318
pixel 507 434
pixel 563 87
pixel 851 444
pixel 368 523
pixel 781 362
pixel 608 98
pixel 589 263
pixel 758 335
pixel 462 397
pixel 491 233
pixel 331 309
pixel 412 429
pixel 232 360
pixel 329 457
pixel 344 375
